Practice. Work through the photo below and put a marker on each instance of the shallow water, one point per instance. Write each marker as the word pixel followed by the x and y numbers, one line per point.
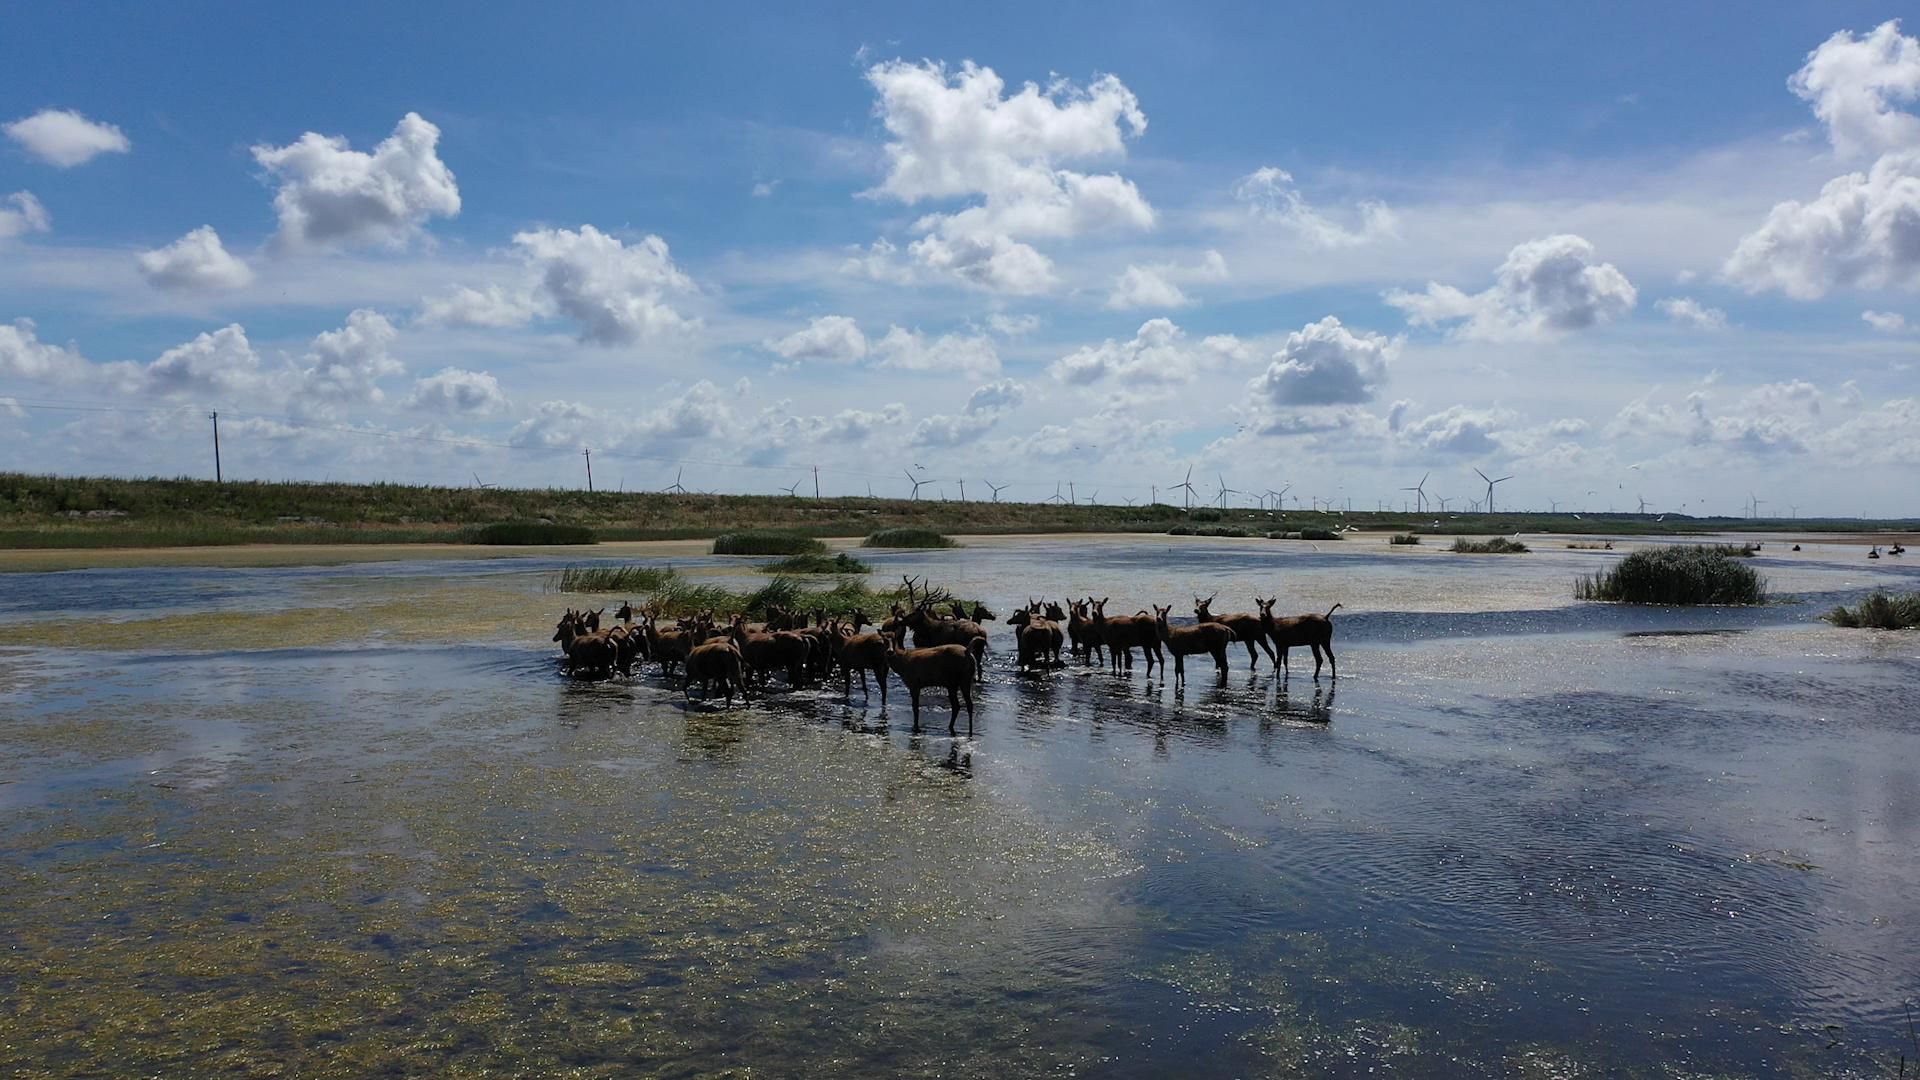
pixel 351 820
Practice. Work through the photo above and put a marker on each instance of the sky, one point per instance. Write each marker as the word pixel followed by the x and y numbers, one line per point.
pixel 1636 255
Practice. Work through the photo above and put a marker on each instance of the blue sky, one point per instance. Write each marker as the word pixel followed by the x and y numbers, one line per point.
pixel 1610 250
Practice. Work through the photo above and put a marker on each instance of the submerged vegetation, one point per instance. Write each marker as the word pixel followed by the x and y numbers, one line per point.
pixel 1498 545
pixel 815 563
pixel 907 537
pixel 767 542
pixel 1681 574
pixel 1879 611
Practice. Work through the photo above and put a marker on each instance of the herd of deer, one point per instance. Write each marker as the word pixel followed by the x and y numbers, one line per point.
pixel 949 646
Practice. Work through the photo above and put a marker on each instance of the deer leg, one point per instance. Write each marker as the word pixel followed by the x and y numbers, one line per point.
pixel 953 705
pixel 1330 660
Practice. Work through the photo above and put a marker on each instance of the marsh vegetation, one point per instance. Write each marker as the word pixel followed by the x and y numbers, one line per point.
pixel 1679 574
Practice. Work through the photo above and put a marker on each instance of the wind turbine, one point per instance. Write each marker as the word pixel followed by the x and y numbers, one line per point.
pixel 675 488
pixel 1758 502
pixel 963 489
pixel 1555 503
pixel 1444 501
pixel 481 484
pixel 1225 490
pixel 1490 482
pixel 1643 504
pixel 1094 499
pixel 1419 494
pixel 1187 486
pixel 1056 497
pixel 917 484
pixel 792 491
pixel 997 489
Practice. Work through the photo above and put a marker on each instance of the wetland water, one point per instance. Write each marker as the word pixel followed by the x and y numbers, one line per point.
pixel 351 821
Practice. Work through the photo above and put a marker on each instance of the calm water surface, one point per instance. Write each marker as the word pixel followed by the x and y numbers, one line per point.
pixel 352 820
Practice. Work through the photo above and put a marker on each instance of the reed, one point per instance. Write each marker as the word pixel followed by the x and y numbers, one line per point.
pixel 1681 574
pixel 1403 539
pixel 1879 611
pixel 610 579
pixel 531 532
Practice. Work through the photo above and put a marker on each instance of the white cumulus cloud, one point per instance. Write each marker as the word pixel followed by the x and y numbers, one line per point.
pixel 985 406
pixel 1158 353
pixel 956 134
pixel 458 392
pixel 1156 285
pixel 1854 83
pixel 1324 363
pixel 1545 287
pixel 833 339
pixel 196 261
pixel 24 355
pixel 493 307
pixel 346 365
pixel 1887 322
pixel 1862 230
pixel 1690 312
pixel 333 196
pixel 21 213
pixel 615 293
pixel 1270 194
pixel 958 354
pixel 65 138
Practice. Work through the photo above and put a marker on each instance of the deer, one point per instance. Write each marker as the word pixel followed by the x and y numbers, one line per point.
pixel 1211 638
pixel 630 644
pixel 1036 639
pixel 1122 633
pixel 591 650
pixel 951 666
pixel 1080 629
pixel 979 614
pixel 670 647
pixel 860 652
pixel 929 631
pixel 763 652
pixel 1312 630
pixel 711 662
pixel 1246 627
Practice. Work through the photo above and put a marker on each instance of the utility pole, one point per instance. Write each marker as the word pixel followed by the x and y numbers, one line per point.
pixel 816 481
pixel 589 455
pixel 217 477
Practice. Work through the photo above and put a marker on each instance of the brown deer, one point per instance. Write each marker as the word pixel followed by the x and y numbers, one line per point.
pixel 929 631
pixel 782 650
pixel 670 647
pixel 711 662
pixel 863 653
pixel 1211 638
pixel 592 651
pixel 1312 630
pixel 1080 629
pixel 1036 639
pixel 1123 633
pixel 1246 627
pixel 950 666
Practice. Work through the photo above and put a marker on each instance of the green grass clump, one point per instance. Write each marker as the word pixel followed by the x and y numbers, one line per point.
pixel 1203 513
pixel 675 596
pixel 1318 532
pixel 610 579
pixel 530 532
pixel 1879 611
pixel 1498 545
pixel 840 563
pixel 766 542
pixel 1208 530
pixel 1403 539
pixel 907 537
pixel 1682 574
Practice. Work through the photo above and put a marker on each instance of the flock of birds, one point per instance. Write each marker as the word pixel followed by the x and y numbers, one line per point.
pixel 725 654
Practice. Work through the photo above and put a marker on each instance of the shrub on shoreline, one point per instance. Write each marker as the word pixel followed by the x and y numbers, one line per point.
pixel 531 532
pixel 766 542
pixel 1681 574
pixel 1498 545
pixel 1403 539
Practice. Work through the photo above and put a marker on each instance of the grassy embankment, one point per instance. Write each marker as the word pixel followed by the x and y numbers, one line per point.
pixel 79 512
